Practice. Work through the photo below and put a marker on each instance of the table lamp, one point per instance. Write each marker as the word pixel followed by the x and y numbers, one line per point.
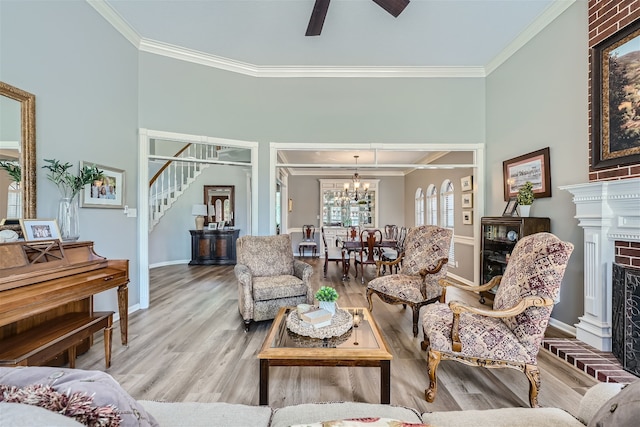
pixel 199 211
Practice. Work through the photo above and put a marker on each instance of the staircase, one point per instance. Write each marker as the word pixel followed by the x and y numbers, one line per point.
pixel 174 178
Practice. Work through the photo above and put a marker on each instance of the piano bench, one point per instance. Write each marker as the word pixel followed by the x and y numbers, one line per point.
pixel 43 342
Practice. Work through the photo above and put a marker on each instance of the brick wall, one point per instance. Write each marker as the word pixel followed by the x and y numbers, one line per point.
pixel 628 253
pixel 606 17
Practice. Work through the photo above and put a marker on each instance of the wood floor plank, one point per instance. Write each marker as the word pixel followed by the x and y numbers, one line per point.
pixel 191 346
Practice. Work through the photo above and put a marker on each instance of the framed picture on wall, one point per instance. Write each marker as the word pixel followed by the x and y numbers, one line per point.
pixel 467 217
pixel 533 167
pixel 614 90
pixel 466 183
pixel 467 200
pixel 105 193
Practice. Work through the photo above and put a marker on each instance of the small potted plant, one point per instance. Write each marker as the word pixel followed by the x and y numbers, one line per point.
pixel 525 198
pixel 327 297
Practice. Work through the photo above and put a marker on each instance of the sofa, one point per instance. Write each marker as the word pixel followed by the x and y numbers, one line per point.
pixel 598 403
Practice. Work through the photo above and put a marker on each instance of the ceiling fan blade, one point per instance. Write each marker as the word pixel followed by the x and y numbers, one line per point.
pixel 394 7
pixel 317 17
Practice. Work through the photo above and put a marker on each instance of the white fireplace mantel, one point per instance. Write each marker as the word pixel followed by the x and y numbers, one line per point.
pixel 607 211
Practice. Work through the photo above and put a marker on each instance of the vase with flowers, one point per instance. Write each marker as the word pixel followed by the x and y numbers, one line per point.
pixel 69 185
pixel 525 198
pixel 327 297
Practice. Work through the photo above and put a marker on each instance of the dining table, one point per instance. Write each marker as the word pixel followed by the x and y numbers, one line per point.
pixel 351 245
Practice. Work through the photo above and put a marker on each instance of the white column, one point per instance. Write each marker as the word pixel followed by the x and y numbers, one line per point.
pixel 608 211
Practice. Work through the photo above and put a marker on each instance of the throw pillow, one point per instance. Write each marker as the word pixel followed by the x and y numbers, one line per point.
pixel 363 422
pixel 621 410
pixel 101 386
pixel 78 406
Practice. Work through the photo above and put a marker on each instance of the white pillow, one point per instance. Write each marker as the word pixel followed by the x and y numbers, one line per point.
pixel 21 415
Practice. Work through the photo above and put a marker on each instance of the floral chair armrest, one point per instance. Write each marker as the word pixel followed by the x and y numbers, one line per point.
pixel 380 263
pixel 434 270
pixel 245 282
pixel 303 271
pixel 490 284
pixel 458 307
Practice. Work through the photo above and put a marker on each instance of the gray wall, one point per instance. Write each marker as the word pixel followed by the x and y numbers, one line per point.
pixel 183 97
pixel 84 76
pixel 537 99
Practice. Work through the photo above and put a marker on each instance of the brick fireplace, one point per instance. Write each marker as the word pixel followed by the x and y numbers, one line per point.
pixel 609 213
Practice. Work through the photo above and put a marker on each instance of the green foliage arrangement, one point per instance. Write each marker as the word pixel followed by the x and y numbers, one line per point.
pixel 327 293
pixel 69 184
pixel 525 194
pixel 13 169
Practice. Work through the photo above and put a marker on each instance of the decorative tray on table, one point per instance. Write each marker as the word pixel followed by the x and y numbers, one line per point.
pixel 341 322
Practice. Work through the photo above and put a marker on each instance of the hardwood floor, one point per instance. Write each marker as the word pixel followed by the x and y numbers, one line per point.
pixel 190 346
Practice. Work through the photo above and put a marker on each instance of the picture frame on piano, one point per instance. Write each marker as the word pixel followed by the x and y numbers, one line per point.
pixel 40 229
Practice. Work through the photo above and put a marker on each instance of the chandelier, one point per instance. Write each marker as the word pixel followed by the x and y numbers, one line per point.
pixel 355 192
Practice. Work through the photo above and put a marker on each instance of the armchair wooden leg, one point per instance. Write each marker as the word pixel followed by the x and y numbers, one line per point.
pixel 416 318
pixel 369 293
pixel 433 361
pixel 533 374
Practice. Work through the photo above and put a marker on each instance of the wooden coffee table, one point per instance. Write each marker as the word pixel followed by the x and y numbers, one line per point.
pixel 362 346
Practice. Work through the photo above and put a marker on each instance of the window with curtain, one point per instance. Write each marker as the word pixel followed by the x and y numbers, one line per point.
pixel 419 207
pixel 446 200
pixel 432 205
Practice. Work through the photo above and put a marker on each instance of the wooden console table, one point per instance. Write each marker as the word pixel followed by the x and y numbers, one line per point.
pixel 213 246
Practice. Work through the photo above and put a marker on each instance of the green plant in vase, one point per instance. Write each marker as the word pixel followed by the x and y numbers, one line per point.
pixel 69 185
pixel 525 198
pixel 327 297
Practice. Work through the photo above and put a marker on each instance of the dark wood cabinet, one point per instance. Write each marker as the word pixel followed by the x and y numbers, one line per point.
pixel 499 236
pixel 213 246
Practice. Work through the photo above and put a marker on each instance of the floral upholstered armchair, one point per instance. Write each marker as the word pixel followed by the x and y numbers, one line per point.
pixel 509 336
pixel 269 277
pixel 423 263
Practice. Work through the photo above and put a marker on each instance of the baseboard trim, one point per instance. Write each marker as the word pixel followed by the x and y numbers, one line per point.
pixel 163 264
pixel 571 330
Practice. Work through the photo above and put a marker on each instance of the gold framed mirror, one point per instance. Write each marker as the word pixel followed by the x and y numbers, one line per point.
pixel 22 151
pixel 220 204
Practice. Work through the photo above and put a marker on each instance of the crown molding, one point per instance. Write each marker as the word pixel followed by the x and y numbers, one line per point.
pixel 188 55
pixel 117 21
pixel 545 18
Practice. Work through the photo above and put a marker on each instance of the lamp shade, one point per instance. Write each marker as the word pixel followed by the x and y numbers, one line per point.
pixel 199 210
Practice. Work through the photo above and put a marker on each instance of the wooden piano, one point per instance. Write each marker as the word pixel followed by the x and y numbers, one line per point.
pixel 46 301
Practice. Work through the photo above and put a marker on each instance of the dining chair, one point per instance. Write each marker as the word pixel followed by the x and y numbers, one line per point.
pixel 331 253
pixel 392 254
pixel 308 240
pixel 367 254
pixel 509 336
pixel 391 231
pixel 424 262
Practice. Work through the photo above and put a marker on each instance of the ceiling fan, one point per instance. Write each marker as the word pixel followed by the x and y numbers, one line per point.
pixel 394 7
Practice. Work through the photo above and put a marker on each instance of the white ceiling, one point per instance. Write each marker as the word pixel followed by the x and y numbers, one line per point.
pixel 432 33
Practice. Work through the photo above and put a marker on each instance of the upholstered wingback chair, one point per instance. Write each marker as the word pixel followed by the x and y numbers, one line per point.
pixel 509 336
pixel 423 263
pixel 269 277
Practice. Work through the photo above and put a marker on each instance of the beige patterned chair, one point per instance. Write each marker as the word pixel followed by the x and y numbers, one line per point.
pixel 423 263
pixel 509 336
pixel 269 277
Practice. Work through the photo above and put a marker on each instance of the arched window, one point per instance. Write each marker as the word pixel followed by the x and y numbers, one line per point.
pixel 446 221
pixel 419 207
pixel 446 203
pixel 432 205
